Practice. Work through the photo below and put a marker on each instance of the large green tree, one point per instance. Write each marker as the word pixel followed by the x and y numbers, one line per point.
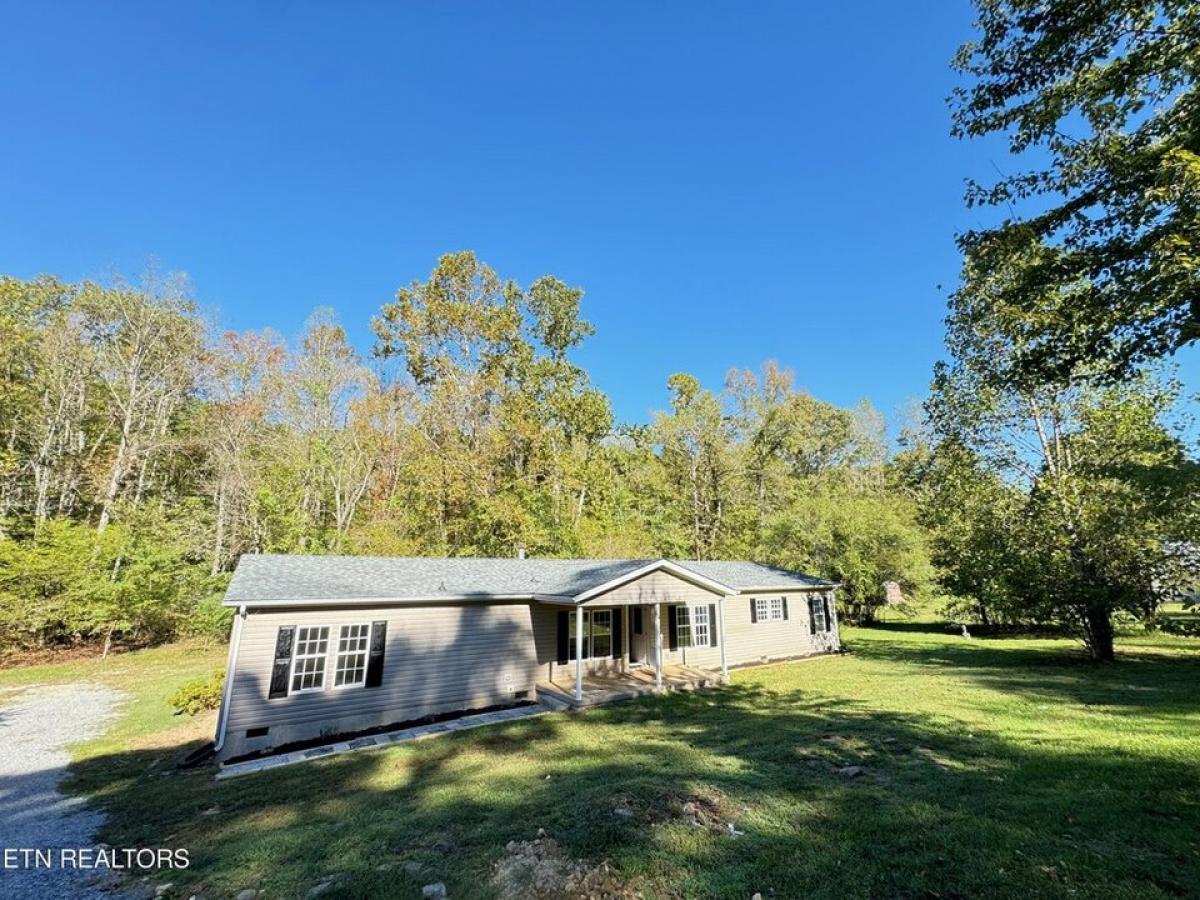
pixel 1097 260
pixel 1106 492
pixel 969 512
pixel 507 425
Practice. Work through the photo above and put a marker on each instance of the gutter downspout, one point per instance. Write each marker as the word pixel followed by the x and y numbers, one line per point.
pixel 235 642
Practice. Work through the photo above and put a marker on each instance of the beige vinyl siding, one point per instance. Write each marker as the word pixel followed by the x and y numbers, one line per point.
pixel 654 587
pixel 747 642
pixel 545 637
pixel 751 642
pixel 437 659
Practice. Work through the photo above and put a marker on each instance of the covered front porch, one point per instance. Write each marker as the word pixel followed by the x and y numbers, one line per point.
pixel 638 639
pixel 596 689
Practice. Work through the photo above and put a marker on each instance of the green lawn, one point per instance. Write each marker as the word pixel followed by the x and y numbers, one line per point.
pixel 1001 768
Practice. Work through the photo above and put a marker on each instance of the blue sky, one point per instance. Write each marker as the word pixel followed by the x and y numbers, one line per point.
pixel 729 183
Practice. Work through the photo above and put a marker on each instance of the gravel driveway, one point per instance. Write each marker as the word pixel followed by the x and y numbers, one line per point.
pixel 35 730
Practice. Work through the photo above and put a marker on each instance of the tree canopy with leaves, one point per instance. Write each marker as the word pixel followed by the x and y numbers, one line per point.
pixel 1096 265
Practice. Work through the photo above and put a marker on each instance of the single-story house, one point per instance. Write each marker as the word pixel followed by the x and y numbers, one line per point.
pixel 325 645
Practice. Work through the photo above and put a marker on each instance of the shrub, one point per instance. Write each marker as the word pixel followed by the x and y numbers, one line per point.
pixel 199 694
pixel 1181 626
pixel 208 619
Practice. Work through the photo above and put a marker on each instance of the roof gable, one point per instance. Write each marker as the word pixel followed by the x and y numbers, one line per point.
pixel 658 565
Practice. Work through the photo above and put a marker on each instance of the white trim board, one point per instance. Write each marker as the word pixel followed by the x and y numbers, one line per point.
pixel 399 601
pixel 659 565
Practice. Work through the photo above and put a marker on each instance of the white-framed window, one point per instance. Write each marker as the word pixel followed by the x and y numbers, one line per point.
pixel 351 665
pixel 768 609
pixel 597 633
pixel 700 626
pixel 820 614
pixel 308 660
pixel 602 633
pixel 683 626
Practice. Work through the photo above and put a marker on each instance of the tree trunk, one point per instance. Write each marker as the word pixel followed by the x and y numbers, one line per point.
pixel 114 478
pixel 1098 624
pixel 219 540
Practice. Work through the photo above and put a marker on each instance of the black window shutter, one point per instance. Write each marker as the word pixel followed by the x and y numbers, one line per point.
pixel 618 635
pixel 828 613
pixel 564 637
pixel 672 628
pixel 812 615
pixel 375 657
pixel 784 599
pixel 753 610
pixel 637 620
pixel 283 662
pixel 712 624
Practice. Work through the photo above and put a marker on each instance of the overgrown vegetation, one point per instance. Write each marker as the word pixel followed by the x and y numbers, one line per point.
pixel 1008 767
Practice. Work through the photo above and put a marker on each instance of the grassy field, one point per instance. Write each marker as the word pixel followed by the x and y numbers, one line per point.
pixel 990 768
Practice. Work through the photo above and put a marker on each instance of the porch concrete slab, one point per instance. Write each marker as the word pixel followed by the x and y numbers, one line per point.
pixel 466 723
pixel 601 689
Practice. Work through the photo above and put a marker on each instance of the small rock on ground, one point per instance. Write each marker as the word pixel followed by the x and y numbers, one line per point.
pixel 327 884
pixel 436 891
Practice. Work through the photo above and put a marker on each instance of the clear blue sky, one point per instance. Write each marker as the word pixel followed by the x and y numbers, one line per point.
pixel 728 182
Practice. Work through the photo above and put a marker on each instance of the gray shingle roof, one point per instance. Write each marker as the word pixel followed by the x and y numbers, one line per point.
pixel 278 578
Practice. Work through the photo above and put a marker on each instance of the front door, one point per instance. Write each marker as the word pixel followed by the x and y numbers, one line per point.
pixel 640 646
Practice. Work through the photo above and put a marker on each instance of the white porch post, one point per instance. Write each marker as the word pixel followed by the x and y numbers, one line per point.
pixel 579 653
pixel 657 646
pixel 721 638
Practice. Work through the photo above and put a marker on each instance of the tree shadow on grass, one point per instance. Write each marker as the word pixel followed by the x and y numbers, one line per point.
pixel 1139 680
pixel 935 812
pixel 909 627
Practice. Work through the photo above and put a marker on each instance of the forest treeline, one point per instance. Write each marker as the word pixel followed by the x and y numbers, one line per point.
pixel 144 451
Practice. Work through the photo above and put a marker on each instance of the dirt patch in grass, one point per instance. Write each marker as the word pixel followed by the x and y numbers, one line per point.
pixel 190 730
pixel 53 656
pixel 707 808
pixel 540 869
